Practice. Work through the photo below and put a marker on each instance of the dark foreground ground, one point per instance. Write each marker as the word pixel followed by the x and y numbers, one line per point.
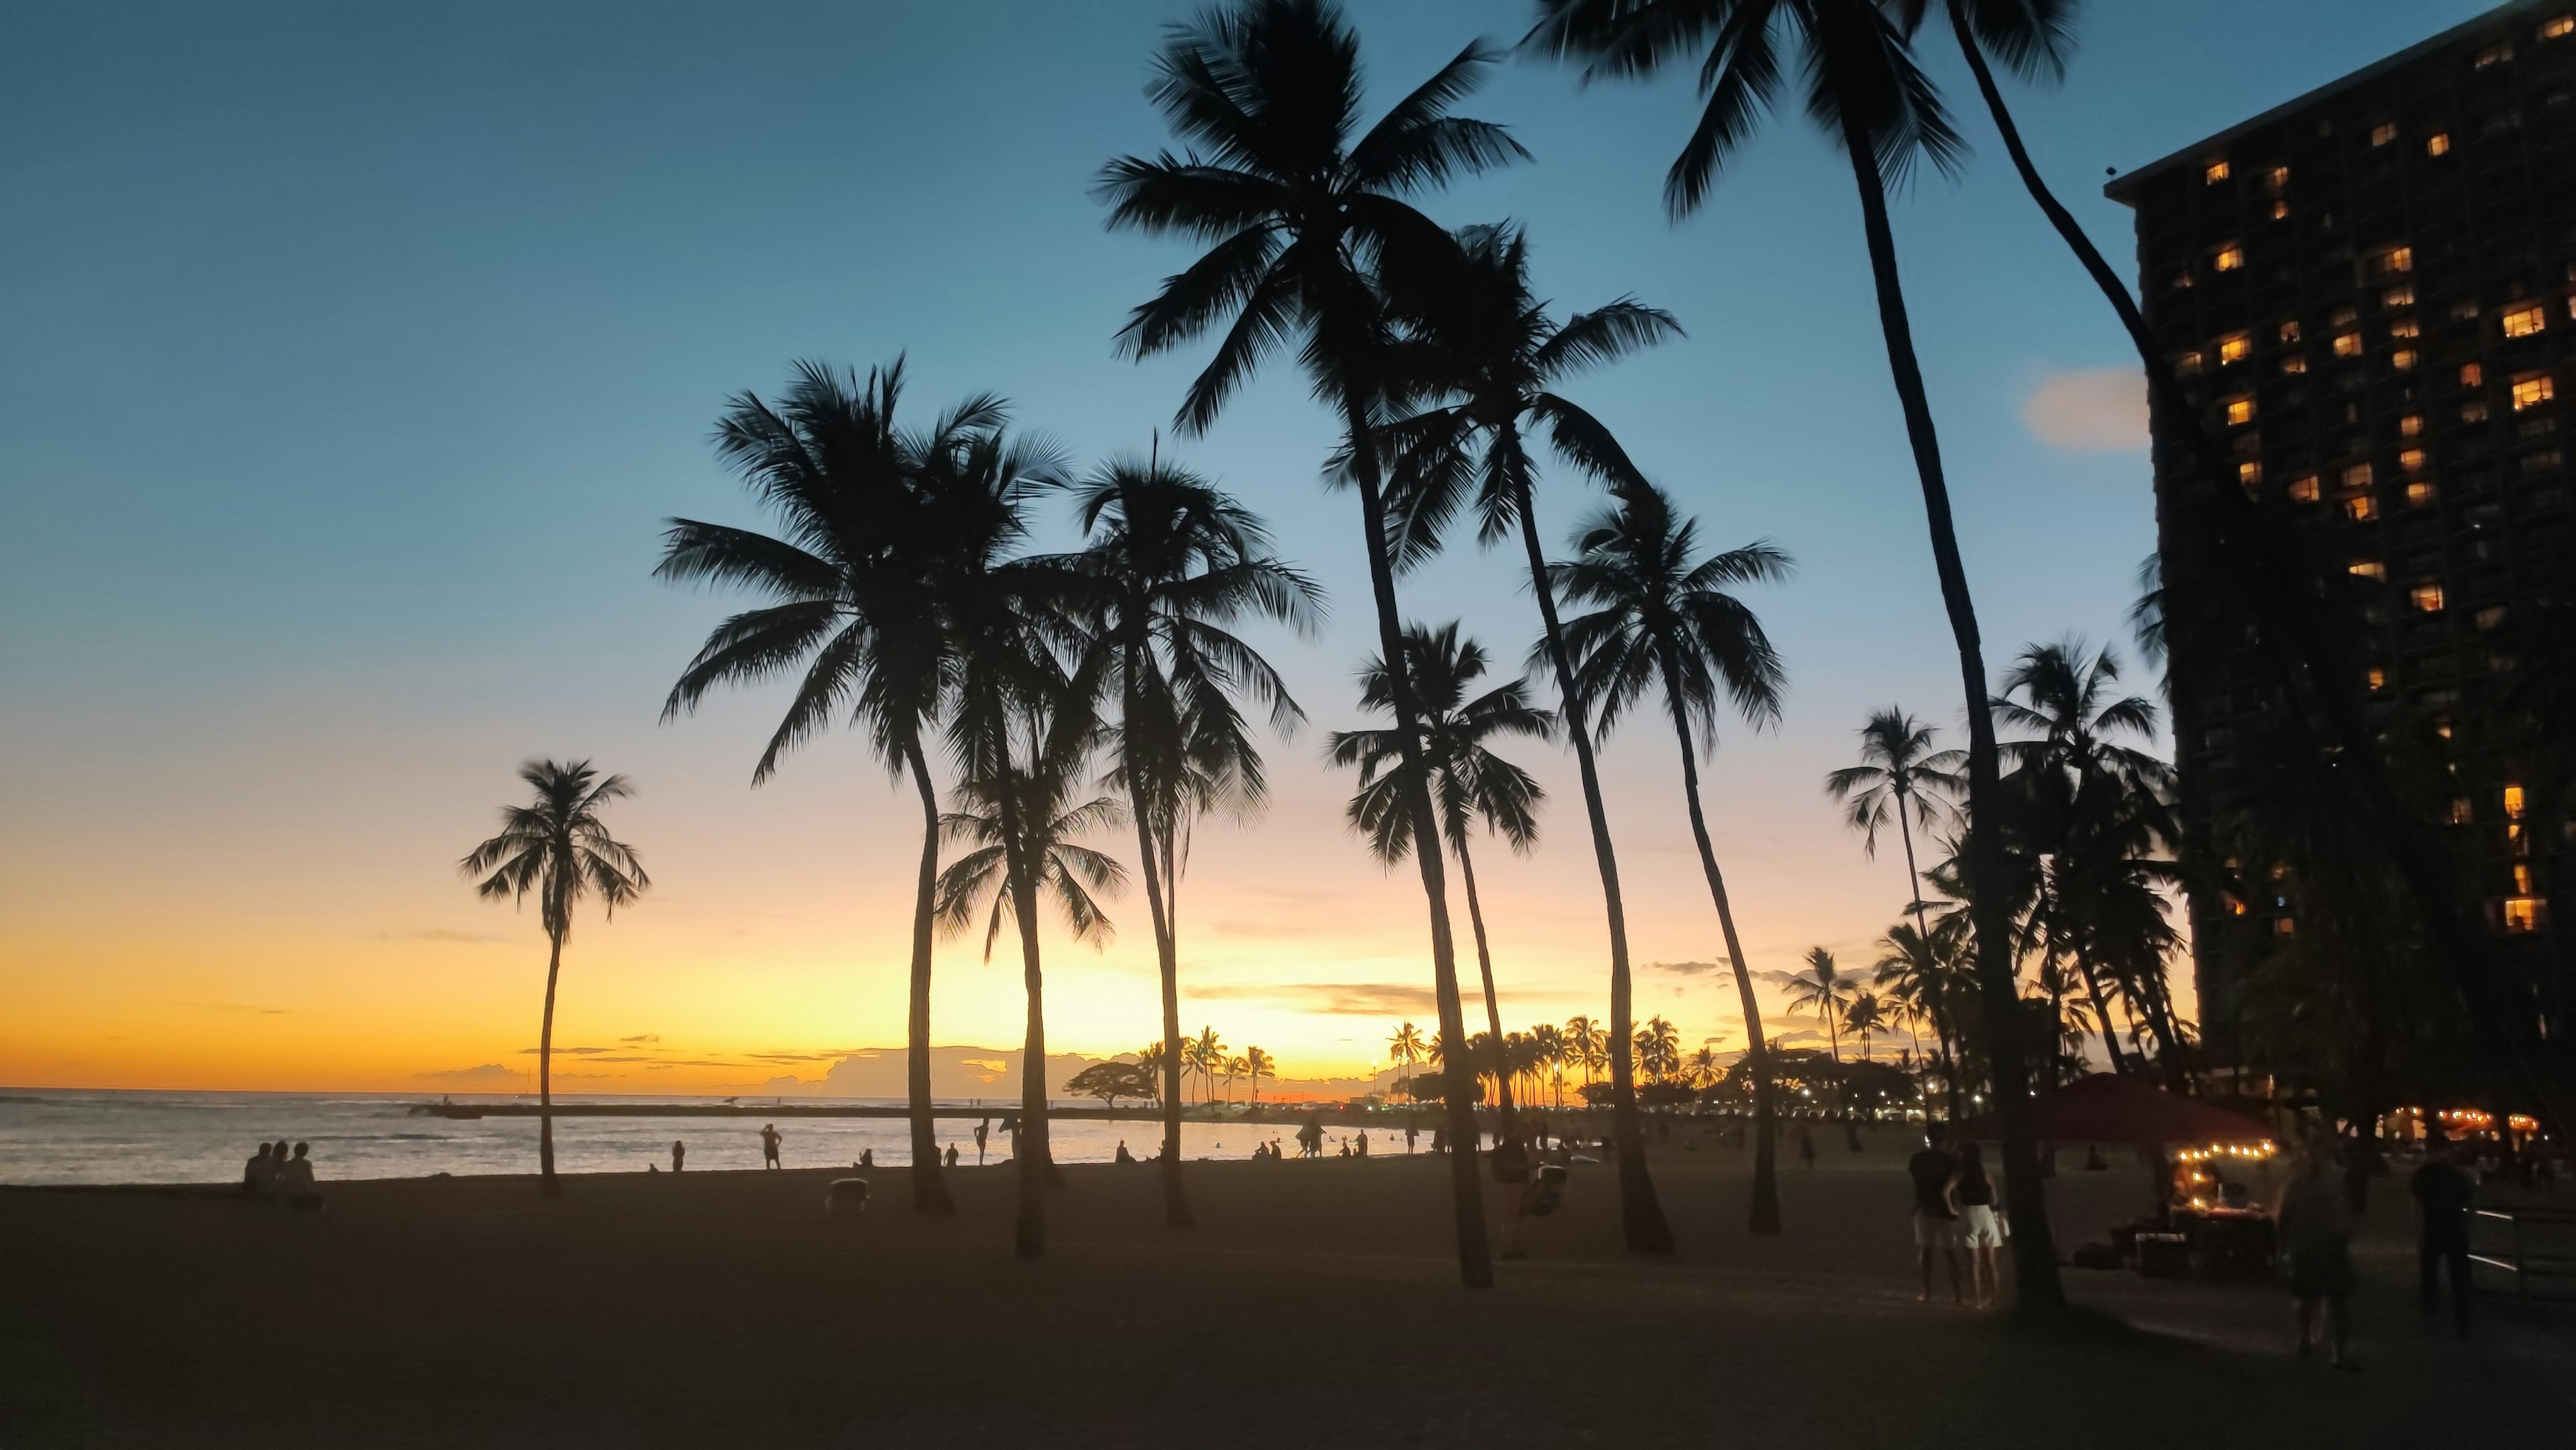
pixel 1316 1306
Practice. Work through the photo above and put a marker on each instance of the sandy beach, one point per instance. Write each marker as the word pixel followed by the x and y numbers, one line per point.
pixel 1315 1305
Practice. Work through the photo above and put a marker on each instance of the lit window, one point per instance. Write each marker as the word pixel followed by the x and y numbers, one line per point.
pixel 2378 678
pixel 2419 493
pixel 2357 476
pixel 2404 327
pixel 2525 320
pixel 2347 344
pixel 2394 260
pixel 2460 815
pixel 2290 329
pixel 2531 392
pixel 2240 410
pixel 2304 489
pixel 2410 425
pixel 2249 474
pixel 2294 363
pixel 2370 569
pixel 2228 258
pixel 2426 597
pixel 2280 211
pixel 2438 145
pixel 2523 914
pixel 2403 360
pixel 2396 297
pixel 2360 507
pixel 2473 376
pixel 2492 617
pixel 2186 364
pixel 2283 926
pixel 2234 348
pixel 2383 133
pixel 2276 179
pixel 2494 55
pixel 2412 460
pixel 2556 26
pixel 2521 879
pixel 2473 412
pixel 2214 173
pixel 2344 316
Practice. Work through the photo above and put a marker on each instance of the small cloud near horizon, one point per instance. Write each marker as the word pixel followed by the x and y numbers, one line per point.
pixel 491 1074
pixel 642 1037
pixel 1339 999
pixel 2089 410
pixel 1688 969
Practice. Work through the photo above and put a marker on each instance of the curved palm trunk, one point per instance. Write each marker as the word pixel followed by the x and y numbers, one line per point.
pixel 1506 1121
pixel 2101 1011
pixel 1475 1257
pixel 2034 1252
pixel 929 1189
pixel 1150 861
pixel 1641 1213
pixel 546 1183
pixel 1765 1215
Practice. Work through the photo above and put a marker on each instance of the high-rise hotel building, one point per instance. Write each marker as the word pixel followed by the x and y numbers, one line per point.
pixel 2370 293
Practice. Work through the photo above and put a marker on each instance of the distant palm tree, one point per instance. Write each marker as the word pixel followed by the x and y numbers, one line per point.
pixel 1170 562
pixel 1470 784
pixel 1820 990
pixel 1235 1067
pixel 1900 777
pixel 1407 1048
pixel 1547 1044
pixel 1257 1065
pixel 1667 622
pixel 1207 1051
pixel 557 847
pixel 1304 215
pixel 1659 1048
pixel 1863 1017
pixel 1589 1042
pixel 1863 86
pixel 864 577
pixel 1703 1070
pixel 1925 972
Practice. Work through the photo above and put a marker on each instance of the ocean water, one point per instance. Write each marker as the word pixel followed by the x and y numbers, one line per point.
pixel 64 1136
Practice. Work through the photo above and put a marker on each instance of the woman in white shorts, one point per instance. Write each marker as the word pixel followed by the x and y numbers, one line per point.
pixel 1981 1231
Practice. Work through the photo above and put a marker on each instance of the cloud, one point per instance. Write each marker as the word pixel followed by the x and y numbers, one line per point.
pixel 246 1007
pixel 2089 410
pixel 642 1037
pixel 490 1074
pixel 1339 999
pixel 1691 969
pixel 438 933
pixel 1778 978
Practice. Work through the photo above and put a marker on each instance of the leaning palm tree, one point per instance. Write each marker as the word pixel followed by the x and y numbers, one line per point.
pixel 1257 1065
pixel 1406 1048
pixel 557 847
pixel 1824 991
pixel 860 585
pixel 1667 623
pixel 1169 563
pixel 1303 213
pixel 1485 348
pixel 1207 1050
pixel 1470 784
pixel 1862 84
pixel 1900 777
pixel 1020 813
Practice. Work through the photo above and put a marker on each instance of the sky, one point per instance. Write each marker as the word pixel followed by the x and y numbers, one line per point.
pixel 356 355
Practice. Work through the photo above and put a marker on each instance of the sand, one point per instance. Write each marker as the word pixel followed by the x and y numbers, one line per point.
pixel 1317 1305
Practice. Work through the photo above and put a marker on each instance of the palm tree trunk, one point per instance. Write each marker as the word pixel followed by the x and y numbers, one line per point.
pixel 1032 1162
pixel 1475 1258
pixel 2101 1012
pixel 2034 1251
pixel 1641 1214
pixel 1485 967
pixel 1765 1215
pixel 546 1183
pixel 929 1188
pixel 2294 635
pixel 1176 1204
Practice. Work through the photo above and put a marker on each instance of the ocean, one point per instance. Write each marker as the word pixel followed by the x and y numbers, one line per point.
pixel 73 1136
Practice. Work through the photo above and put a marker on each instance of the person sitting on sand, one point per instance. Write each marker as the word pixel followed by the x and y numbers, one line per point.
pixel 768 1145
pixel 867 1157
pixel 295 1180
pixel 1363 1144
pixel 679 1153
pixel 259 1172
pixel 952 1155
pixel 1123 1155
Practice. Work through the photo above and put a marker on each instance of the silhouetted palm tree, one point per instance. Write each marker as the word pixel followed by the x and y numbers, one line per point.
pixel 1827 993
pixel 862 578
pixel 1207 1053
pixel 1666 623
pixel 1169 563
pixel 1470 784
pixel 1589 1044
pixel 1855 64
pixel 1487 350
pixel 1257 1065
pixel 1922 969
pixel 1863 1016
pixel 1302 212
pixel 1900 777
pixel 557 847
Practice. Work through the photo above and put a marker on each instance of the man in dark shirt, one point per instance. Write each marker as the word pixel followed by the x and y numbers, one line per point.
pixel 2442 1194
pixel 1936 1220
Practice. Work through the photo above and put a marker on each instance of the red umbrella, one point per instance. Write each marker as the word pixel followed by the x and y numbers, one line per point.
pixel 2108 1108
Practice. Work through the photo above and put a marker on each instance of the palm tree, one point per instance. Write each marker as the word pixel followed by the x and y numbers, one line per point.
pixel 1863 1017
pixel 1207 1051
pixel 557 847
pixel 1921 969
pixel 1170 562
pixel 1667 622
pixel 1301 218
pixel 1235 1067
pixel 1547 1046
pixel 1020 815
pixel 1900 777
pixel 1659 1048
pixel 1406 1047
pixel 1588 1043
pixel 1470 784
pixel 1257 1065
pixel 862 581
pixel 1488 348
pixel 1821 991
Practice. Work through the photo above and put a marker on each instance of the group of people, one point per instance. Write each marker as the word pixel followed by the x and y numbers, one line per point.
pixel 1958 1217
pixel 287 1176
pixel 2315 1218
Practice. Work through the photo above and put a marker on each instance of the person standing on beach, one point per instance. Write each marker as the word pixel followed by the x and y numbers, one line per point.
pixel 1981 1233
pixel 983 1130
pixel 2316 1248
pixel 679 1151
pixel 2442 1193
pixel 768 1145
pixel 1936 1224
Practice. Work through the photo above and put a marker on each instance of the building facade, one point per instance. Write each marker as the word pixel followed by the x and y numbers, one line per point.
pixel 2370 295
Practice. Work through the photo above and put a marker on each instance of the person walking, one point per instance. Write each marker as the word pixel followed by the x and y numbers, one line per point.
pixel 983 1130
pixel 1936 1222
pixel 1410 1134
pixel 2442 1193
pixel 1981 1233
pixel 2315 1222
pixel 768 1145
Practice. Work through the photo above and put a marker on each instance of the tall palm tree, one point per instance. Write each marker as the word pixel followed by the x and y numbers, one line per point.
pixel 1659 1048
pixel 1547 1044
pixel 1207 1051
pixel 1303 211
pixel 1921 968
pixel 1825 992
pixel 1257 1065
pixel 1020 814
pixel 862 580
pixel 1406 1047
pixel 1487 350
pixel 1900 777
pixel 1169 563
pixel 1470 784
pixel 557 846
pixel 1862 84
pixel 1666 622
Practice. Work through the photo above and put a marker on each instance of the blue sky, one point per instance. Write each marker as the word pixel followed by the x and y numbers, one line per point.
pixel 357 352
